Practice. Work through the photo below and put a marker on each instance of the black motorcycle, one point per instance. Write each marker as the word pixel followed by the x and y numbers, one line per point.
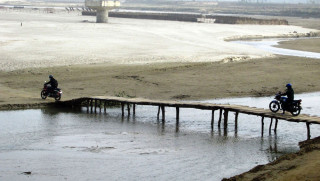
pixel 56 94
pixel 279 104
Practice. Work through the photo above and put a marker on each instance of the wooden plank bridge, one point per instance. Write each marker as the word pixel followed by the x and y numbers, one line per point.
pixel 92 103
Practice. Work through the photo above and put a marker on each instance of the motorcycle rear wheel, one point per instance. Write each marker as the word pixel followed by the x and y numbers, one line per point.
pixel 274 106
pixel 296 110
pixel 43 94
pixel 57 97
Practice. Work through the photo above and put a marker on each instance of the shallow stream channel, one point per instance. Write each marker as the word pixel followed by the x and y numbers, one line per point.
pixel 71 144
pixel 269 45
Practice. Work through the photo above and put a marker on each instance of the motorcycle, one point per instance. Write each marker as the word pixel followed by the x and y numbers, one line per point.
pixel 279 104
pixel 56 94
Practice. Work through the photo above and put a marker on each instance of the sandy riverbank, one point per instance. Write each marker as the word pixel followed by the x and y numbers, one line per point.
pixel 303 165
pixel 167 80
pixel 66 39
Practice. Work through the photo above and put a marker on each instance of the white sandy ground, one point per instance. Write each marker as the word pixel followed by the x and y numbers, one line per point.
pixel 64 39
pixel 10 1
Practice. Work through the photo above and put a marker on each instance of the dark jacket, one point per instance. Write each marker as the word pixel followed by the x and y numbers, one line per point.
pixel 290 94
pixel 53 82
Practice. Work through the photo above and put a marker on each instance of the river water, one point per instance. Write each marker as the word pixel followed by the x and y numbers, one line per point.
pixel 64 144
pixel 269 46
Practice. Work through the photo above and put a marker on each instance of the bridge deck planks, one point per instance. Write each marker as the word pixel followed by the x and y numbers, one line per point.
pixel 208 106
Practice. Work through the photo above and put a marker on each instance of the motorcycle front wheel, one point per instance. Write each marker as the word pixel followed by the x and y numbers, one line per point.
pixel 296 110
pixel 57 97
pixel 44 94
pixel 274 106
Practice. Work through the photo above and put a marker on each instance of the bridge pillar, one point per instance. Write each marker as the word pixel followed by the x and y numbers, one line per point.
pixel 158 112
pixel 262 125
pixel 225 118
pixel 220 117
pixel 91 105
pixel 212 119
pixel 177 114
pixel 95 105
pixel 88 104
pixel 122 109
pixel 102 15
pixel 134 109
pixel 276 125
pixel 128 107
pixel 163 114
pixel 105 106
pixel 102 7
pixel 236 121
pixel 270 125
pixel 308 131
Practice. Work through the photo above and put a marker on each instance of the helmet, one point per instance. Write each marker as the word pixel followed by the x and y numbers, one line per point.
pixel 288 85
pixel 50 76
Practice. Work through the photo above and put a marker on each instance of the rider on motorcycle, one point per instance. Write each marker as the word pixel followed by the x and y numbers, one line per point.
pixel 290 97
pixel 53 82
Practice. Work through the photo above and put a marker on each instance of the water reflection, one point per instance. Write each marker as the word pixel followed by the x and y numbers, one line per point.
pixel 53 110
pixel 188 148
pixel 273 148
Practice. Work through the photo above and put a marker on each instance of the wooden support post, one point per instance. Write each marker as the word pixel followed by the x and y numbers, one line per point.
pixel 177 114
pixel 270 125
pixel 158 112
pixel 225 118
pixel 212 119
pixel 262 125
pixel 220 117
pixel 134 109
pixel 236 121
pixel 308 131
pixel 91 105
pixel 105 106
pixel 163 113
pixel 88 104
pixel 276 125
pixel 128 107
pixel 95 105
pixel 100 105
pixel 122 109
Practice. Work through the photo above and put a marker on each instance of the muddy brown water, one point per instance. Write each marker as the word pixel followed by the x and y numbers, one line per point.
pixel 71 144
